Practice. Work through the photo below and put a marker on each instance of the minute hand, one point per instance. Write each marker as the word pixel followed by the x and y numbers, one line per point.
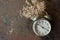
pixel 44 28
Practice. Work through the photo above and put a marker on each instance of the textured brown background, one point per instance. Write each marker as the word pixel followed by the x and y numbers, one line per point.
pixel 10 19
pixel 54 11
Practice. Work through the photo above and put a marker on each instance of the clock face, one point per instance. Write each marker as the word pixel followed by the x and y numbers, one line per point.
pixel 42 27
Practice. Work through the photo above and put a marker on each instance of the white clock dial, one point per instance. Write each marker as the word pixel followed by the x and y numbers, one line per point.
pixel 42 27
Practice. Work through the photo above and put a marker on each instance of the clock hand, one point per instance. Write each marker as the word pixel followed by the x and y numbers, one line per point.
pixel 44 28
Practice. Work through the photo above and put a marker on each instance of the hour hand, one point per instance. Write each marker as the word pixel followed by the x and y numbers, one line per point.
pixel 44 27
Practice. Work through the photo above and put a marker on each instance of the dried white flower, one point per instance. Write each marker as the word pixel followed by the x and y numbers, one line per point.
pixel 35 10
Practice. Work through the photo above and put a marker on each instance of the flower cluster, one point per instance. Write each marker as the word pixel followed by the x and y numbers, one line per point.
pixel 33 9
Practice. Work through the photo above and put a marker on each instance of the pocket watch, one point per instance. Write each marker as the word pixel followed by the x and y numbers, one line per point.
pixel 42 26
